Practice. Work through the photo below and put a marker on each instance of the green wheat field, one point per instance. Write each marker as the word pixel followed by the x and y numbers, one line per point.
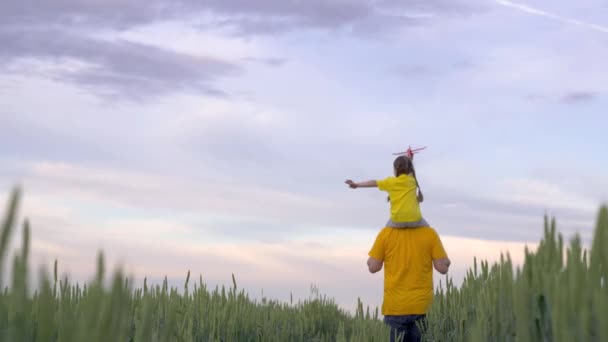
pixel 560 293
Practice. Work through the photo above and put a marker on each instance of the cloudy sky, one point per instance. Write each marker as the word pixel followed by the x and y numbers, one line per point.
pixel 215 136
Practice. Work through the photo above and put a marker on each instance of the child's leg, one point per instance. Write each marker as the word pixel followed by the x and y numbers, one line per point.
pixel 415 224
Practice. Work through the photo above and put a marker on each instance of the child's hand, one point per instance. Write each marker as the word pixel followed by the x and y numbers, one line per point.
pixel 350 183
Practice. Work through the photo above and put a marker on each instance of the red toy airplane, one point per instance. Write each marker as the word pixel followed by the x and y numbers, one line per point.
pixel 410 153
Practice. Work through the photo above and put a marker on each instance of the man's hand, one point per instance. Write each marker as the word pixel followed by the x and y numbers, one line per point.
pixel 442 265
pixel 374 265
pixel 352 184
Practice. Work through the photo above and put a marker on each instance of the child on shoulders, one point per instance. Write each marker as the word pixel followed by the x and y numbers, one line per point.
pixel 404 194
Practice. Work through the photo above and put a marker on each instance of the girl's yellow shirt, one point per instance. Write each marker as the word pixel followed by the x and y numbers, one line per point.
pixel 402 193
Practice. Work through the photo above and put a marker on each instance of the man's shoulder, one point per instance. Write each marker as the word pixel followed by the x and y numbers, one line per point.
pixel 430 229
pixel 385 231
pixel 417 233
pixel 427 233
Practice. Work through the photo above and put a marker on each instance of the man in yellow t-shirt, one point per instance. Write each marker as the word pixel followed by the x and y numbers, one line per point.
pixel 409 256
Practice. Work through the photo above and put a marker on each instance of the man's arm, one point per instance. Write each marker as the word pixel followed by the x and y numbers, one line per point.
pixel 441 262
pixel 374 264
pixel 366 184
pixel 442 265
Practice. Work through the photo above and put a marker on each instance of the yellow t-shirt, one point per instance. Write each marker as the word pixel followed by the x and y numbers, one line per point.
pixel 408 269
pixel 402 192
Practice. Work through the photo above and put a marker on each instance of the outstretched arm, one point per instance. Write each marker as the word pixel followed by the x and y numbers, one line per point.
pixel 366 184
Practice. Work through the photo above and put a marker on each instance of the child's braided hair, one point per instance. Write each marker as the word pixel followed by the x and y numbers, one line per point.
pixel 403 165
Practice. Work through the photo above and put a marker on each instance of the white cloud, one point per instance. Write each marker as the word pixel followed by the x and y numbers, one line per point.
pixel 205 195
pixel 539 12
pixel 194 42
pixel 536 192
